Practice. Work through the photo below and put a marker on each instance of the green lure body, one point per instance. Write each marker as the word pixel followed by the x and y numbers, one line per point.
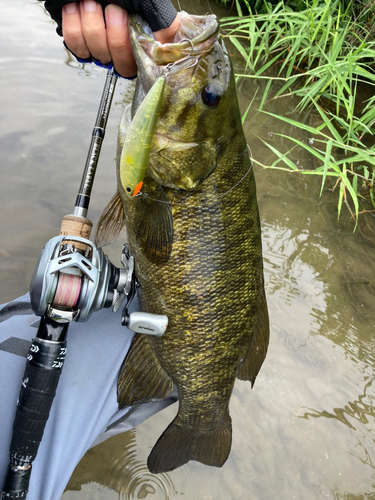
pixel 137 145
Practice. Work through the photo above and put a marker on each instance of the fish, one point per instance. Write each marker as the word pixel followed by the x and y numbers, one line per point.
pixel 194 231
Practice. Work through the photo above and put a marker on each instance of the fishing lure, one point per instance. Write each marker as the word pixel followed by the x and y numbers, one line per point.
pixel 137 145
pixel 138 141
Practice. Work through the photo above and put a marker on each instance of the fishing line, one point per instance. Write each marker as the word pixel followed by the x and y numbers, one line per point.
pixel 191 193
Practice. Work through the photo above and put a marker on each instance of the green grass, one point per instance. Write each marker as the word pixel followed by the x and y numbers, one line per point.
pixel 321 55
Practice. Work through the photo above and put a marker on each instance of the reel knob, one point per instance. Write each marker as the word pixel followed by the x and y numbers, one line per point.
pixel 150 324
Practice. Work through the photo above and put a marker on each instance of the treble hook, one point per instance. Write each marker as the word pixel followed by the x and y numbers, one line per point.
pixel 179 61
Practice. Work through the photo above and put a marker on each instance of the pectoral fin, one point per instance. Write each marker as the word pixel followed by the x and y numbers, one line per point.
pixel 111 223
pixel 142 378
pixel 251 364
pixel 153 224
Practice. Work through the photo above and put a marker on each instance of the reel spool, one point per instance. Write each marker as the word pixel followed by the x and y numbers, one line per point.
pixel 71 286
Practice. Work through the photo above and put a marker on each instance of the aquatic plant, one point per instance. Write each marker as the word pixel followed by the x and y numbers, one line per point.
pixel 322 55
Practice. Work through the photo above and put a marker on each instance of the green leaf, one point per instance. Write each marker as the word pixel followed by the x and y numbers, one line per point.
pixel 249 106
pixel 238 8
pixel 239 47
pixel 354 184
pixel 265 95
pixel 341 195
pixel 327 158
pixel 282 157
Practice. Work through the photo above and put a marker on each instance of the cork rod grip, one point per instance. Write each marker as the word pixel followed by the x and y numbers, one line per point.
pixel 72 225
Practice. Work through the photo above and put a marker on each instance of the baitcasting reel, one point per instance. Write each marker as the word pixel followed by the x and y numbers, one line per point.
pixel 73 278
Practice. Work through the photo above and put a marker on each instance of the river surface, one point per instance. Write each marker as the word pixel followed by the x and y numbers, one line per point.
pixel 307 429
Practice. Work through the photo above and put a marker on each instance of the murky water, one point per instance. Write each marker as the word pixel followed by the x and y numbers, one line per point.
pixel 307 429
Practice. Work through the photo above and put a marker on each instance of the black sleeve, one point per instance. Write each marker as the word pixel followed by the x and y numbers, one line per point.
pixel 159 14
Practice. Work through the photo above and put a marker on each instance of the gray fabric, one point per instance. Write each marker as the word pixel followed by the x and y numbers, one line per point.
pixel 16 307
pixel 134 417
pixel 84 411
pixel 15 345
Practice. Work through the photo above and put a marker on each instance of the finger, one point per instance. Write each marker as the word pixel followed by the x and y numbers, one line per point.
pixel 93 28
pixel 119 40
pixel 167 35
pixel 72 31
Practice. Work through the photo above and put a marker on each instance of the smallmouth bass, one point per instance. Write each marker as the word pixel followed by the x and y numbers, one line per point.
pixel 195 233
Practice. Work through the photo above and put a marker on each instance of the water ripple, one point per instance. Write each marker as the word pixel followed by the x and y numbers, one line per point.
pixel 115 465
pixel 142 484
pixel 360 410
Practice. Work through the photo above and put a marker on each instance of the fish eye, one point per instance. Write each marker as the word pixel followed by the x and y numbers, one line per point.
pixel 211 94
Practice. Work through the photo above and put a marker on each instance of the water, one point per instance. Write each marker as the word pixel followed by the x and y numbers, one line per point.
pixel 307 429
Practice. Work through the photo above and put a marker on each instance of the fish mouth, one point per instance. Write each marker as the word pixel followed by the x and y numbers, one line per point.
pixel 151 55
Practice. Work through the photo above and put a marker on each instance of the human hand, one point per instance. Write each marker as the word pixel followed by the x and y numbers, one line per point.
pixel 87 32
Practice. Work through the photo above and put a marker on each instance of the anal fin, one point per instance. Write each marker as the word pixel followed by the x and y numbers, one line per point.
pixel 257 349
pixel 142 378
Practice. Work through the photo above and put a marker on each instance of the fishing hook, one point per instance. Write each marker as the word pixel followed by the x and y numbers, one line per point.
pixel 179 61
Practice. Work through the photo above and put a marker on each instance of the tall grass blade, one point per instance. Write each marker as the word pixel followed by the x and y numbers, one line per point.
pixel 327 158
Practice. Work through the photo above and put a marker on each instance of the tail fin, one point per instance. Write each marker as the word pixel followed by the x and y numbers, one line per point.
pixel 177 445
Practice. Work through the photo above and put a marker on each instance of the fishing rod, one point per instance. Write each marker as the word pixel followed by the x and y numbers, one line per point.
pixel 72 279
